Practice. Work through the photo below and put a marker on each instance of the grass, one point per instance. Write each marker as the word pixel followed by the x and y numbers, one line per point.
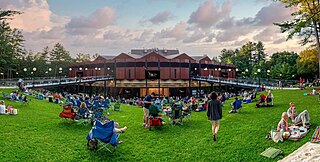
pixel 38 134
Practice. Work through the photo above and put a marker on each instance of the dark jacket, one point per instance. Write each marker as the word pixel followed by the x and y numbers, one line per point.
pixel 214 110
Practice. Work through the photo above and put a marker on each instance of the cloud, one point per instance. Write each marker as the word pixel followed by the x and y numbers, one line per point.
pixel 145 35
pixel 178 31
pixel 161 17
pixel 268 34
pixel 209 13
pixel 85 25
pixel 275 12
pixel 195 36
pixel 36 15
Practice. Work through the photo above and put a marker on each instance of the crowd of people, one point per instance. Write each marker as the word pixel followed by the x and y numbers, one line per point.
pixel 211 103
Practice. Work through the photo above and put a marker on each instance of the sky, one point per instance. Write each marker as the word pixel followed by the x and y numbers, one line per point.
pixel 110 27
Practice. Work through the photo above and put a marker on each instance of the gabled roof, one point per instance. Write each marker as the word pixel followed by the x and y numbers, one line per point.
pixel 108 57
pixel 152 53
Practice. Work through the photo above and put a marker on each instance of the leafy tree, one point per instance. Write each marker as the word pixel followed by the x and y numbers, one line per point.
pixel 283 63
pixel 248 58
pixel 81 57
pixel 306 22
pixel 226 55
pixel 11 43
pixel 307 63
pixel 94 56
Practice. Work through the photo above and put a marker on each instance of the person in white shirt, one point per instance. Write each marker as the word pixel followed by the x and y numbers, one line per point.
pixel 314 92
pixel 2 108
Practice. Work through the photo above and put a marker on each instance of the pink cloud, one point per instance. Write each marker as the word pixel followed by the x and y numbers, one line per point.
pixel 85 25
pixel 178 31
pixel 209 13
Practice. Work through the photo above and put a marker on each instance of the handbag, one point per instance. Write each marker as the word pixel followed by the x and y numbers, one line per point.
pixel 276 136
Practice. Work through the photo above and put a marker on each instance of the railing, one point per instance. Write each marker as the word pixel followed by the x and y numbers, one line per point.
pixel 47 82
pixel 249 82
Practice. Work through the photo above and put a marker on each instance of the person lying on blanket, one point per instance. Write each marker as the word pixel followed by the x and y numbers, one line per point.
pixel 302 117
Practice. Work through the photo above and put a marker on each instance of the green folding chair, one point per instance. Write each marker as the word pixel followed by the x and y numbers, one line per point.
pixel 116 107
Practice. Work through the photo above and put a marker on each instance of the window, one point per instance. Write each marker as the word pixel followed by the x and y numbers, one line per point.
pixel 175 73
pixel 129 74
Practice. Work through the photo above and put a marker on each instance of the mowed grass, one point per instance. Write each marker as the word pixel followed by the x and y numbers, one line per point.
pixel 38 134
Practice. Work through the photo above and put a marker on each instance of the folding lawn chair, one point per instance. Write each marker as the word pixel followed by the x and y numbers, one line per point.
pixel 154 117
pixel 105 134
pixel 116 107
pixel 176 114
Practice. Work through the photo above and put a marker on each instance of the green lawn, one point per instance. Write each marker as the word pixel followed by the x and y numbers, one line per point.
pixel 38 134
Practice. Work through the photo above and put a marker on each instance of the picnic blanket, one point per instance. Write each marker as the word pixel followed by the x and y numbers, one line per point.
pixel 316 135
pixel 297 132
pixel 308 152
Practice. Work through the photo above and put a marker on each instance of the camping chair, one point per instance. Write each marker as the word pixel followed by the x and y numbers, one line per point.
pixel 5 96
pixel 78 102
pixel 89 105
pixel 105 134
pixel 187 112
pixel 154 117
pixel 57 101
pixel 67 112
pixel 83 114
pixel 116 106
pixel 97 115
pixel 238 105
pixel 176 114
pixel 24 100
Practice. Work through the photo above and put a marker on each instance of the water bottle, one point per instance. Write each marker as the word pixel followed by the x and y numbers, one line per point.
pixel 272 129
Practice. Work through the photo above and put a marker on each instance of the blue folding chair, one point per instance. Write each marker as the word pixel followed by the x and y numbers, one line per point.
pixel 105 134
pixel 78 102
pixel 89 105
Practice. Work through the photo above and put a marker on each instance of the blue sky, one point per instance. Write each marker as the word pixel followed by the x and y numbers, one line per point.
pixel 110 27
pixel 131 11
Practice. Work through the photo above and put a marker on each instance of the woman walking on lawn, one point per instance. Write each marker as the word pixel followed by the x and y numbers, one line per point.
pixel 214 113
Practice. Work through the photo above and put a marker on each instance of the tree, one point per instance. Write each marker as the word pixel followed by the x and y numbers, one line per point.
pixel 81 57
pixel 58 53
pixel 306 22
pixel 94 56
pixel 307 63
pixel 226 55
pixel 11 44
pixel 283 63
pixel 60 58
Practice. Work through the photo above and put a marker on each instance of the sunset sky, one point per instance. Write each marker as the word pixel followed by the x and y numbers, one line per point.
pixel 110 27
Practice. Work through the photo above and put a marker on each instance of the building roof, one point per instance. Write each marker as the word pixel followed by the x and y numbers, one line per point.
pixel 109 57
pixel 163 52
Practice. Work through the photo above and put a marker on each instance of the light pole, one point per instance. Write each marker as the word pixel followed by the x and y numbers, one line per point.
pixel 25 70
pixel 70 69
pixel 259 70
pixel 219 73
pixel 60 73
pixel 96 69
pixel 280 84
pixel 237 75
pixel 50 69
pixel 32 72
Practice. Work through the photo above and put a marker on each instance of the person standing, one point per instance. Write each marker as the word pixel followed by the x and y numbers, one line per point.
pixel 147 101
pixel 214 113
pixel 301 81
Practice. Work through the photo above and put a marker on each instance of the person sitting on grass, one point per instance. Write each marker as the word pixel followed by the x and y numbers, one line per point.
pixel 283 123
pixel 314 92
pixel 234 106
pixel 3 109
pixel 302 117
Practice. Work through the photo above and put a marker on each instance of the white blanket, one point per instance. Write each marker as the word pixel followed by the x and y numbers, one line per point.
pixel 309 152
